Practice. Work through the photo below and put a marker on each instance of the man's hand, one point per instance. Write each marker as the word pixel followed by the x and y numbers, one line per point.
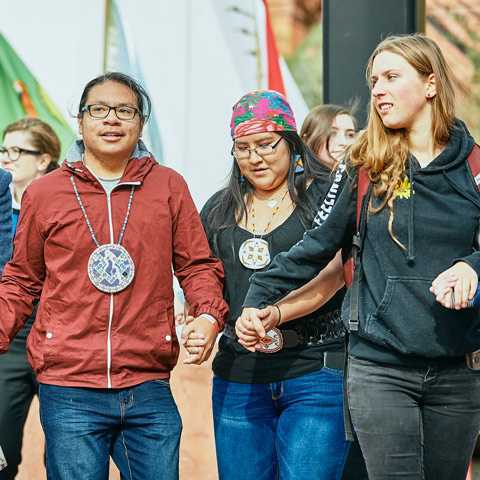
pixel 198 337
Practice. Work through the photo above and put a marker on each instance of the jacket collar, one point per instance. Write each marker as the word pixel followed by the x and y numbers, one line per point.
pixel 141 161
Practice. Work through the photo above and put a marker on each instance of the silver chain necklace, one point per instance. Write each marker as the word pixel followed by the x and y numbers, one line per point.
pixel 271 201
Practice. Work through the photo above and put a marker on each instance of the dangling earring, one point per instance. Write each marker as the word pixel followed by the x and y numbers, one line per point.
pixel 242 178
pixel 299 168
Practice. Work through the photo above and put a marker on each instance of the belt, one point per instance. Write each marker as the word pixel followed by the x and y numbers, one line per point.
pixel 312 332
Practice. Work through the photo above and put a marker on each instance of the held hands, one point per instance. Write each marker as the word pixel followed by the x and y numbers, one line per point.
pixel 253 324
pixel 198 337
pixel 461 279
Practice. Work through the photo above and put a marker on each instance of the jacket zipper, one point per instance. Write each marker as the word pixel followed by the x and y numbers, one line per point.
pixel 110 317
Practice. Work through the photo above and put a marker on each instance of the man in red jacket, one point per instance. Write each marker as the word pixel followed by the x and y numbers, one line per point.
pixel 97 239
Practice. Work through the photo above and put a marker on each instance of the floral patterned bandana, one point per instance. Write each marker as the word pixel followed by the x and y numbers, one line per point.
pixel 262 111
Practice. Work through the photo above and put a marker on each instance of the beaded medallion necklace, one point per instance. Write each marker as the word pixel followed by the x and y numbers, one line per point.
pixel 254 253
pixel 110 267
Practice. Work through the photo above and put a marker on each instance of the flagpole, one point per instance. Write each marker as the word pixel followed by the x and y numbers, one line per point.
pixel 105 37
pixel 257 50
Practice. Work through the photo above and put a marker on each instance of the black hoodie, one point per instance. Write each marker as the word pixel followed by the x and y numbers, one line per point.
pixel 435 217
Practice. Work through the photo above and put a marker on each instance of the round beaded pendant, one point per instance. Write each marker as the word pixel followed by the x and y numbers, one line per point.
pixel 111 268
pixel 254 253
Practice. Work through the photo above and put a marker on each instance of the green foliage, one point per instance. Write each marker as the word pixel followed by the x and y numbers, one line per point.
pixel 306 65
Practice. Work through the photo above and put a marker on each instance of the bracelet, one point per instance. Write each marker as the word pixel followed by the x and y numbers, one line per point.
pixel 279 316
pixel 212 320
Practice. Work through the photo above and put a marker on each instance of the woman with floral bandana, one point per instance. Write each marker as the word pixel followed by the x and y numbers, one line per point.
pixel 277 409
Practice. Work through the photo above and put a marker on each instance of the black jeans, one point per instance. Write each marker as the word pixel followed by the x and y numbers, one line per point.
pixel 18 386
pixel 414 423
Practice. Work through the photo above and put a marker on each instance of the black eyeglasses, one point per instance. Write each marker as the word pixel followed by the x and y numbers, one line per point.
pixel 262 150
pixel 102 111
pixel 13 153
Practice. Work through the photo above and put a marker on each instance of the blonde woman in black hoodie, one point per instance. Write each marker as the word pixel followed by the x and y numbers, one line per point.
pixel 414 402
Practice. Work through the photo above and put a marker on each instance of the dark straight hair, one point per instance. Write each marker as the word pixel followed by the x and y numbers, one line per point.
pixel 144 103
pixel 231 205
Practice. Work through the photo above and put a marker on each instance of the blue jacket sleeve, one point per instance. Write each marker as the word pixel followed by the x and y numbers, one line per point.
pixel 290 270
pixel 5 219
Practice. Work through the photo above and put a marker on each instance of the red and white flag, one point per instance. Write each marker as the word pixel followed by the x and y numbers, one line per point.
pixel 274 70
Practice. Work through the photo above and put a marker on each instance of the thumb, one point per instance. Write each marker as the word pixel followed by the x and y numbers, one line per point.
pixel 189 319
pixel 186 330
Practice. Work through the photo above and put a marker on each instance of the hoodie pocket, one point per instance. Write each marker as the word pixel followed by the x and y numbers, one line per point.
pixel 410 320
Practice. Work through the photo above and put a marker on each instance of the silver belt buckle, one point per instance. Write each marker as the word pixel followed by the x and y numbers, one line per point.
pixel 272 342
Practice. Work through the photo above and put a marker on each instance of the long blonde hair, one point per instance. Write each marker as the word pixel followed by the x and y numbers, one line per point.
pixel 382 151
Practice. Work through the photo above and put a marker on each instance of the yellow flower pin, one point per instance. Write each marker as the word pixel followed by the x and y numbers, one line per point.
pixel 403 188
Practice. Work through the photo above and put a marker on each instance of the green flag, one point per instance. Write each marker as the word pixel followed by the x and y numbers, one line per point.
pixel 21 95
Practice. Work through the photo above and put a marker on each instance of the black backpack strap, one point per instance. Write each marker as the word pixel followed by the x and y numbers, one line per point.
pixel 363 182
pixel 363 200
pixel 357 260
pixel 347 419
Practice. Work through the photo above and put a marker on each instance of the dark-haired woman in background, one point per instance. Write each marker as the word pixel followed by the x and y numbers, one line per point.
pixel 30 150
pixel 277 411
pixel 329 130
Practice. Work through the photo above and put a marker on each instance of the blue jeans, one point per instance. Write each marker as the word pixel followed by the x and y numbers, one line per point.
pixel 138 426
pixel 414 423
pixel 288 430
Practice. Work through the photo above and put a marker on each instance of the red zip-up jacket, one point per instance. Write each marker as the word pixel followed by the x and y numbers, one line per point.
pixel 82 336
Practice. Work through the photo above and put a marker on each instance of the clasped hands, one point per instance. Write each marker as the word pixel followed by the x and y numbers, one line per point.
pixel 198 337
pixel 461 279
pixel 254 324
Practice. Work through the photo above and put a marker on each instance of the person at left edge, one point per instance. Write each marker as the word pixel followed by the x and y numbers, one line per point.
pixel 97 238
pixel 5 238
pixel 5 218
pixel 30 150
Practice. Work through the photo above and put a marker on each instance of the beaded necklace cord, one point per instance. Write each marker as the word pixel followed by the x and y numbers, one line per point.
pixel 88 221
pixel 271 218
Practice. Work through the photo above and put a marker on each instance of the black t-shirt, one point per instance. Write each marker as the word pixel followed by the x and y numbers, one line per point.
pixel 233 362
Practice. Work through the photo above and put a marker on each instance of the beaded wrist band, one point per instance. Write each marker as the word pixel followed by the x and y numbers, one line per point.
pixel 279 316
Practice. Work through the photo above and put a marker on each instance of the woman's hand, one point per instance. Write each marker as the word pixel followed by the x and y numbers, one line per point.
pixel 254 324
pixel 461 279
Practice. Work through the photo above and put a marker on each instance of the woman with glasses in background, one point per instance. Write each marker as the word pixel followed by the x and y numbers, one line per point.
pixel 30 150
pixel 277 410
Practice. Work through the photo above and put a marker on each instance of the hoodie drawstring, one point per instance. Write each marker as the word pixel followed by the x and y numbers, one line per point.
pixel 411 241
